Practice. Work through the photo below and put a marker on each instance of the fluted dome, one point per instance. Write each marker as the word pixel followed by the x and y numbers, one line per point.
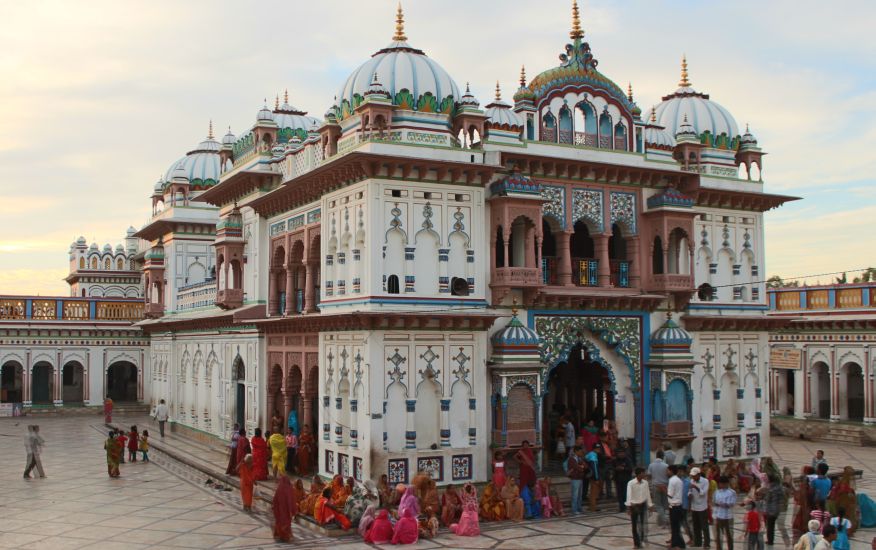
pixel 748 138
pixel 265 114
pixel 413 80
pixel 228 139
pixel 659 137
pixel 81 240
pixel 201 166
pixel 499 114
pixel 516 343
pixel 292 121
pixel 107 248
pixel 703 114
pixel 670 345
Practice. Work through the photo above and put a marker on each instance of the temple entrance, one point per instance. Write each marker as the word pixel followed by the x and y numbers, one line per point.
pixel 790 398
pixel 239 372
pixel 72 383
pixel 11 389
pixel 581 387
pixel 852 385
pixel 820 390
pixel 121 382
pixel 41 384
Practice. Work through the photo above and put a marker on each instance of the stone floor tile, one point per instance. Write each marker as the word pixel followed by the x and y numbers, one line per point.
pixel 541 542
pixel 46 528
pixel 149 536
pixel 129 521
pixel 452 541
pixel 509 533
pixel 97 532
pixel 196 540
pixel 230 529
pixel 179 525
pixel 15 540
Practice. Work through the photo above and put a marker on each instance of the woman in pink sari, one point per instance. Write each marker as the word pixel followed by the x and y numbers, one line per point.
pixel 380 531
pixel 469 523
pixel 407 530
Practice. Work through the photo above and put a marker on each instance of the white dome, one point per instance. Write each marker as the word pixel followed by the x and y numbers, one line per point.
pixel 294 120
pixel 228 139
pixel 399 67
pixel 660 137
pixel 499 113
pixel 200 166
pixel 107 248
pixel 120 248
pixel 703 114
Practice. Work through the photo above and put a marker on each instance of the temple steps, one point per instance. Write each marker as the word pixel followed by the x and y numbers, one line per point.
pixel 841 433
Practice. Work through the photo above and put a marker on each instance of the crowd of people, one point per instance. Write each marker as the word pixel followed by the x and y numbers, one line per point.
pixel 826 511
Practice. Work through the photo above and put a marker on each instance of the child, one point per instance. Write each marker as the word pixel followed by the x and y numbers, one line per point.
pixel 133 442
pixel 820 514
pixel 842 525
pixel 144 445
pixel 123 442
pixel 428 526
pixel 752 527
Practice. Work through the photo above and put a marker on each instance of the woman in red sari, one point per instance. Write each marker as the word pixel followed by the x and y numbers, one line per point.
pixel 306 444
pixel 325 512
pixel 526 460
pixel 243 447
pixel 247 482
pixel 285 507
pixel 380 531
pixel 108 410
pixel 259 455
pixel 451 506
pixel 407 529
pixel 802 504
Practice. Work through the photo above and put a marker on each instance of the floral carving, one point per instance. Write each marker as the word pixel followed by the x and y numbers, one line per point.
pixel 587 206
pixel 555 203
pixel 623 210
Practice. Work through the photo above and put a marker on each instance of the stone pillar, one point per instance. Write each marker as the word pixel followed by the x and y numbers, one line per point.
pixel 309 288
pixel 354 423
pixel 869 398
pixel 834 387
pixel 505 239
pixel 633 253
pixel 409 282
pixel 600 243
pixel 290 290
pixel 443 276
pixel 273 295
pixel 564 258
pixel 287 408
pixel 410 425
pixel 504 405
pixel 807 397
pixel 529 258
pixel 445 423
pixel 307 405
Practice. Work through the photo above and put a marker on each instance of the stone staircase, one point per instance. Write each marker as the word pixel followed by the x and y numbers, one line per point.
pixel 70 409
pixel 844 434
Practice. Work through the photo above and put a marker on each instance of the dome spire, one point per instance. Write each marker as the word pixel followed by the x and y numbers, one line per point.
pixel 399 35
pixel 523 76
pixel 653 115
pixel 576 33
pixel 630 91
pixel 685 83
pixel 210 130
pixel 277 102
pixel 286 96
pixel 498 92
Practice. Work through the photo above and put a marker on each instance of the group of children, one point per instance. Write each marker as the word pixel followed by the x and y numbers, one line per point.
pixel 134 442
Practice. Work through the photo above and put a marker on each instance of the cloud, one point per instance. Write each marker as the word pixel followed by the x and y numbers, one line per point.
pixel 103 97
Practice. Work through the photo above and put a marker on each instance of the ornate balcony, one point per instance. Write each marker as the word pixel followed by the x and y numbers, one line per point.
pixel 670 282
pixel 229 298
pixel 516 277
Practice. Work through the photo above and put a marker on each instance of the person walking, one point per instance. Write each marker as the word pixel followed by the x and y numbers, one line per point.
pixel 133 444
pixel 699 508
pixel 33 443
pixel 752 528
pixel 161 415
pixel 638 501
pixel 775 494
pixel 675 495
pixel 658 473
pixel 577 469
pixel 722 510
pixel 623 472
pixel 144 445
pixel 108 411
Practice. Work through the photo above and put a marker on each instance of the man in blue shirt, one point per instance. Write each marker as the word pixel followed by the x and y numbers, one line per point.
pixel 822 483
pixel 722 510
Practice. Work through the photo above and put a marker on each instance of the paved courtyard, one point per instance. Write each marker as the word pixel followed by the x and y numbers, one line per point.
pixel 165 504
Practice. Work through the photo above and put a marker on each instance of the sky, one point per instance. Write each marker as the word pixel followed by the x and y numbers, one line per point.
pixel 98 98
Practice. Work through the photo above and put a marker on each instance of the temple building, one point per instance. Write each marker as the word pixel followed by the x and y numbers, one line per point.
pixel 420 279
pixel 823 361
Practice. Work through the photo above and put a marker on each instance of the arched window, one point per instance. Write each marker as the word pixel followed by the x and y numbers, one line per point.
pixel 120 264
pixel 106 264
pixel 549 128
pixel 605 132
pixel 81 263
pixel 392 284
pixel 93 263
pixel 657 256
pixel 565 125
pixel 620 137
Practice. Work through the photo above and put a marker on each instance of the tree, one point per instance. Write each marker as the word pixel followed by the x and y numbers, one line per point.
pixel 777 282
pixel 842 280
pixel 866 276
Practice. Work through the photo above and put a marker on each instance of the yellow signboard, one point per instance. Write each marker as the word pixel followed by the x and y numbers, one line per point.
pixel 786 358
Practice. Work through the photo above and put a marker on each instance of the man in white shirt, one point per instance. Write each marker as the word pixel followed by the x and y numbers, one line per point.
pixel 675 496
pixel 638 500
pixel 699 508
pixel 161 414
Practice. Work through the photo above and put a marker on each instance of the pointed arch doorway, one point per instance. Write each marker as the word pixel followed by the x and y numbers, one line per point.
pixel 582 387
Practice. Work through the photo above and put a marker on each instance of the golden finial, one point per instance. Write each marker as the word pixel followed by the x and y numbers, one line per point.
pixel 277 102
pixel 498 92
pixel 514 306
pixel 399 35
pixel 685 83
pixel 630 91
pixel 653 115
pixel 286 96
pixel 522 76
pixel 210 130
pixel 576 22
